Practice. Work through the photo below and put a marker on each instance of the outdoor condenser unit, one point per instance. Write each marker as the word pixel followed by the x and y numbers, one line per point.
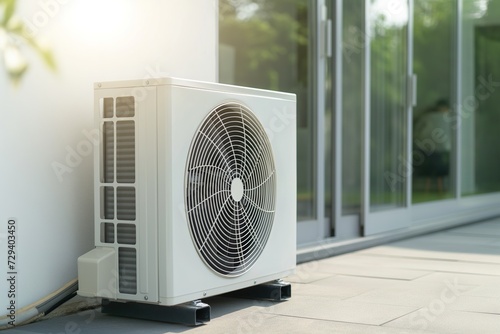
pixel 195 191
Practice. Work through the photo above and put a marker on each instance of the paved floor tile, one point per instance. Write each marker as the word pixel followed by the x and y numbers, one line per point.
pixel 446 282
pixel 355 284
pixel 335 292
pixel 413 293
pixel 293 325
pixel 306 274
pixel 461 278
pixel 468 253
pixel 427 265
pixel 100 324
pixel 370 270
pixel 324 308
pixel 477 304
pixel 401 297
pixel 492 291
pixel 440 320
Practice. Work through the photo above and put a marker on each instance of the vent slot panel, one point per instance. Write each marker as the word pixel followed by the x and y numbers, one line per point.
pixel 118 199
pixel 108 153
pixel 107 106
pixel 108 207
pixel 125 152
pixel 125 106
pixel 126 234
pixel 127 272
pixel 125 203
pixel 108 233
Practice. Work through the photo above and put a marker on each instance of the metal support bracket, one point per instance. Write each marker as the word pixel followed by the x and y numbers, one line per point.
pixel 193 313
pixel 274 291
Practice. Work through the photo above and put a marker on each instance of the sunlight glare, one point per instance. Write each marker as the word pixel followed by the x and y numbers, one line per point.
pixel 99 20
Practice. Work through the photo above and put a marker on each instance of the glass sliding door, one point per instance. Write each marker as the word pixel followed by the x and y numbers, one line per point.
pixel 480 112
pixel 266 44
pixel 487 136
pixel 273 44
pixel 434 63
pixel 353 44
pixel 388 80
pixel 388 96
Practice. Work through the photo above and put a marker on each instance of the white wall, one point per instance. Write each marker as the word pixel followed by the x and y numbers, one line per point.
pixel 44 118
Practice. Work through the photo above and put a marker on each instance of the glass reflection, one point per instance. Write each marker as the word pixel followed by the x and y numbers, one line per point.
pixel 353 45
pixel 479 112
pixel 388 70
pixel 433 61
pixel 266 44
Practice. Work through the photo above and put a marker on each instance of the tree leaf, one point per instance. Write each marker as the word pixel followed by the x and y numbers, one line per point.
pixel 46 54
pixel 48 58
pixel 9 8
pixel 15 76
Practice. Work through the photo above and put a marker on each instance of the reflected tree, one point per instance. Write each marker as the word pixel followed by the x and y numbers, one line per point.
pixel 433 44
pixel 270 40
pixel 268 44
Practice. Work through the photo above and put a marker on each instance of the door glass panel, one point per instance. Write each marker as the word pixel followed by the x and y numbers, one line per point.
pixel 329 130
pixel 353 45
pixel 433 63
pixel 388 111
pixel 480 114
pixel 267 44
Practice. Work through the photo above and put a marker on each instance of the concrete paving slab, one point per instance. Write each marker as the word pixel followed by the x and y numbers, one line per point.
pixel 492 291
pixel 307 273
pixel 428 265
pixel 480 254
pixel 461 278
pixel 445 282
pixel 334 292
pixel 324 308
pixel 441 320
pixel 370 270
pixel 477 304
pixel 99 324
pixel 406 297
pixel 357 284
pixel 293 325
pixel 415 293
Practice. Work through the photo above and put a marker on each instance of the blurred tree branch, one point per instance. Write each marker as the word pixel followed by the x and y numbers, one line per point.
pixel 14 36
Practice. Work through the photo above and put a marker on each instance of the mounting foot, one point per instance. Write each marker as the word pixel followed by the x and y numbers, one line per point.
pixel 275 291
pixel 193 313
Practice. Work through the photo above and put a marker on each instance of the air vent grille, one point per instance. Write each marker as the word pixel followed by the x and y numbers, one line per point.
pixel 118 188
pixel 127 270
pixel 230 189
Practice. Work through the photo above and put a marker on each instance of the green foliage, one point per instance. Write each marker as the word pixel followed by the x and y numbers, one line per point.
pixel 15 36
pixel 433 50
pixel 270 39
pixel 9 8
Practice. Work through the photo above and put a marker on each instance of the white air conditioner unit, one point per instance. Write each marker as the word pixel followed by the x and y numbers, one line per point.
pixel 195 190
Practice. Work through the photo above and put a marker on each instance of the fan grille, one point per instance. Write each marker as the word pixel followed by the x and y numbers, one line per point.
pixel 230 189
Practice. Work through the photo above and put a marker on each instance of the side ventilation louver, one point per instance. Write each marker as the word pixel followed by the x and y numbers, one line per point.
pixel 118 188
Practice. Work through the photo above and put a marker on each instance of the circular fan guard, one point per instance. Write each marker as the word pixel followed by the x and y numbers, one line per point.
pixel 230 189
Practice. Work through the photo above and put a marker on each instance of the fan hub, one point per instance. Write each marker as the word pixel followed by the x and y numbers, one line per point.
pixel 237 189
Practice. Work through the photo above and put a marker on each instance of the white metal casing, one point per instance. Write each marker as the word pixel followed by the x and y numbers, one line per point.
pixel 168 112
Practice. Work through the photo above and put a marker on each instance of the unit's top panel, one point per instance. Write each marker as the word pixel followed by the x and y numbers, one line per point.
pixel 169 81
